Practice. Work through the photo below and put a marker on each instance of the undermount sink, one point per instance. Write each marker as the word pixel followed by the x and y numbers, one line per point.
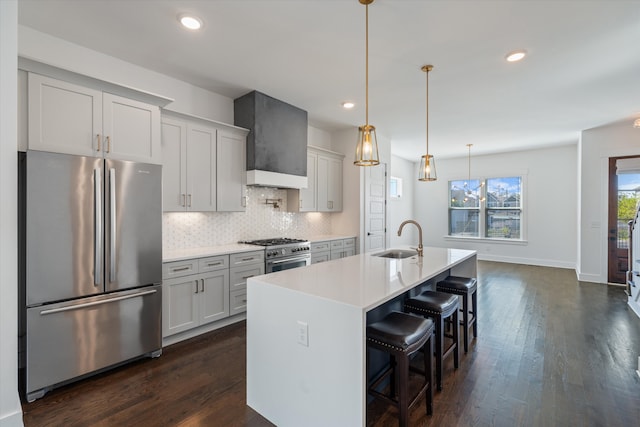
pixel 396 253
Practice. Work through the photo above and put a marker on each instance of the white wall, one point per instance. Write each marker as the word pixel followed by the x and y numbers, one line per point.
pixel 402 209
pixel 188 99
pixel 595 147
pixel 550 211
pixel 351 220
pixel 10 410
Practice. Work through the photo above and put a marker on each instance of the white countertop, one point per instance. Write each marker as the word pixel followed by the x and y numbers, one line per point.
pixel 364 280
pixel 182 254
pixel 323 237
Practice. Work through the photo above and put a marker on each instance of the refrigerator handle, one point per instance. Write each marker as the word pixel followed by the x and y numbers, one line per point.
pixel 112 222
pixel 97 250
pixel 93 303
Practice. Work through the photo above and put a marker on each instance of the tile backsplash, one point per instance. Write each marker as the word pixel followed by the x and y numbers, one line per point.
pixel 184 230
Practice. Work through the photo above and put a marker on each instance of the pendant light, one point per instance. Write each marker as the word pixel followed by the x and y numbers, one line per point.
pixel 427 162
pixel 468 191
pixel 367 148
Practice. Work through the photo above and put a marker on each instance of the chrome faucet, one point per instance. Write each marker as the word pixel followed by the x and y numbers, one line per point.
pixel 419 248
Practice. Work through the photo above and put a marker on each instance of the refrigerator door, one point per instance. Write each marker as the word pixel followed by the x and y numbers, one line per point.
pixel 74 338
pixel 63 227
pixel 133 235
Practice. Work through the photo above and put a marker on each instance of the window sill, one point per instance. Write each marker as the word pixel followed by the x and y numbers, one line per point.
pixel 520 242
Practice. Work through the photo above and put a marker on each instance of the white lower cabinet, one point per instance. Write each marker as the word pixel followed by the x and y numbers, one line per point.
pixel 243 266
pixel 194 300
pixel 326 250
pixel 200 291
pixel 320 251
pixel 342 248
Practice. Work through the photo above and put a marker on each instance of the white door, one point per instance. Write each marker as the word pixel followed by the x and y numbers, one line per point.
pixel 375 213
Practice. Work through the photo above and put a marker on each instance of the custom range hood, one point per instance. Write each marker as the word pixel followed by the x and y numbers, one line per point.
pixel 277 141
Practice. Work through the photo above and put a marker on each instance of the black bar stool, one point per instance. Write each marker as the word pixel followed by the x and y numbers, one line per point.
pixel 401 335
pixel 441 307
pixel 464 286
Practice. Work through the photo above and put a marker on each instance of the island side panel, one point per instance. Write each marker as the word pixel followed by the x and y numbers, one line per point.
pixel 291 384
pixel 466 268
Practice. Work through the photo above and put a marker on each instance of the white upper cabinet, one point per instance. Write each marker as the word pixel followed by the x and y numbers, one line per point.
pixel 174 165
pixel 203 167
pixel 231 171
pixel 308 199
pixel 73 119
pixel 329 185
pixel 324 192
pixel 131 129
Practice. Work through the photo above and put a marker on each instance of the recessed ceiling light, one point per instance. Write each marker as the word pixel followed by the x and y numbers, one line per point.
pixel 516 55
pixel 190 22
pixel 347 105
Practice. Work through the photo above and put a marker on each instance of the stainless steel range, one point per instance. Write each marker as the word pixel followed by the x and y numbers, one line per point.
pixel 284 253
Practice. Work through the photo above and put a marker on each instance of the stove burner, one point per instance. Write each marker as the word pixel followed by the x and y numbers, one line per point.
pixel 274 242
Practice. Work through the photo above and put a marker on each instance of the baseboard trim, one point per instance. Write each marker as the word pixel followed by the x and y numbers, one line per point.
pixel 173 339
pixel 527 261
pixel 14 418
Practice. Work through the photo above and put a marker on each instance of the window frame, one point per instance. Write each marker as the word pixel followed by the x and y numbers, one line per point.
pixel 483 211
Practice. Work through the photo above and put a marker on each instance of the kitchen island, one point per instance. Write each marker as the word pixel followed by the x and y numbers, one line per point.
pixel 306 329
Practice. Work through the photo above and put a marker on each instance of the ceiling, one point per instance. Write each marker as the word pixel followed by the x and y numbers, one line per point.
pixel 582 68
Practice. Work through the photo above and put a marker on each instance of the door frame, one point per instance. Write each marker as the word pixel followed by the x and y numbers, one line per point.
pixel 614 254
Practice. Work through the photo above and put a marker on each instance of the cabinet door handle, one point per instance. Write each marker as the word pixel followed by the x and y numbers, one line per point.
pixel 244 202
pixel 202 285
pixel 189 205
pixel 108 144
pixel 213 264
pixel 99 148
pixel 184 200
pixel 246 277
pixel 180 269
pixel 197 288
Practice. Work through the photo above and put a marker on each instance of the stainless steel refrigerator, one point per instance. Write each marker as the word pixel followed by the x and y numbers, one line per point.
pixel 91 266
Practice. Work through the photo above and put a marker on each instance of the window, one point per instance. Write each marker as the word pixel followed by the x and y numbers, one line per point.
pixel 491 208
pixel 395 187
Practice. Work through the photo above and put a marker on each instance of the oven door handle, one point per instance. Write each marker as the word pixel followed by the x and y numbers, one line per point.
pixel 302 258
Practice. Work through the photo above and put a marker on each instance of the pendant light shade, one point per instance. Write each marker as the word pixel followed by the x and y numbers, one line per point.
pixel 367 147
pixel 427 170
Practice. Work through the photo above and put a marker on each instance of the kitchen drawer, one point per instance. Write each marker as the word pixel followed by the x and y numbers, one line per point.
pixel 237 301
pixel 320 246
pixel 213 263
pixel 320 257
pixel 239 275
pixel 337 244
pixel 179 268
pixel 349 243
pixel 244 258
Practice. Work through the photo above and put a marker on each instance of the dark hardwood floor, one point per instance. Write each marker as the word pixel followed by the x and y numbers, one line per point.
pixel 551 351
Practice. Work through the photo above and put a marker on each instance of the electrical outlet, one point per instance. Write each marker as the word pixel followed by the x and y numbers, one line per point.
pixel 303 333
